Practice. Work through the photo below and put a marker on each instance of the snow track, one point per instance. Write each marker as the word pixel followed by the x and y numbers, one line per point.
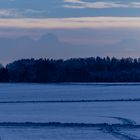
pixel 112 129
pixel 116 131
pixel 68 101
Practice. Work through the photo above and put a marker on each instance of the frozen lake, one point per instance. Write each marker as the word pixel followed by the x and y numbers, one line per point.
pixel 70 111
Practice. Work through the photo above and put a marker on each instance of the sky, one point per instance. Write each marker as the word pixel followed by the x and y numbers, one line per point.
pixel 69 28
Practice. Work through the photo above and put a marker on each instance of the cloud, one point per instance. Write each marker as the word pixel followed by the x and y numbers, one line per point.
pixel 33 11
pixel 19 13
pixel 72 23
pixel 50 46
pixel 9 13
pixel 12 0
pixel 75 4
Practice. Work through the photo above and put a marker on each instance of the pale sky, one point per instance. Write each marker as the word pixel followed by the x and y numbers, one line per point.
pixel 69 28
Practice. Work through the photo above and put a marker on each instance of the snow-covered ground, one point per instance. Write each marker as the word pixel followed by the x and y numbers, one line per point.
pixel 51 133
pixel 69 111
pixel 37 92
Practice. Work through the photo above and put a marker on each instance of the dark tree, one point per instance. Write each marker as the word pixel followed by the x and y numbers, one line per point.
pixel 72 70
pixel 4 75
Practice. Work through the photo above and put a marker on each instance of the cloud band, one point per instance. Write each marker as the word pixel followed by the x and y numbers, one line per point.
pixel 69 23
pixel 75 4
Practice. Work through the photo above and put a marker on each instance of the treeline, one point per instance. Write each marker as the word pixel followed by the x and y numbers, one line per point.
pixel 72 70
